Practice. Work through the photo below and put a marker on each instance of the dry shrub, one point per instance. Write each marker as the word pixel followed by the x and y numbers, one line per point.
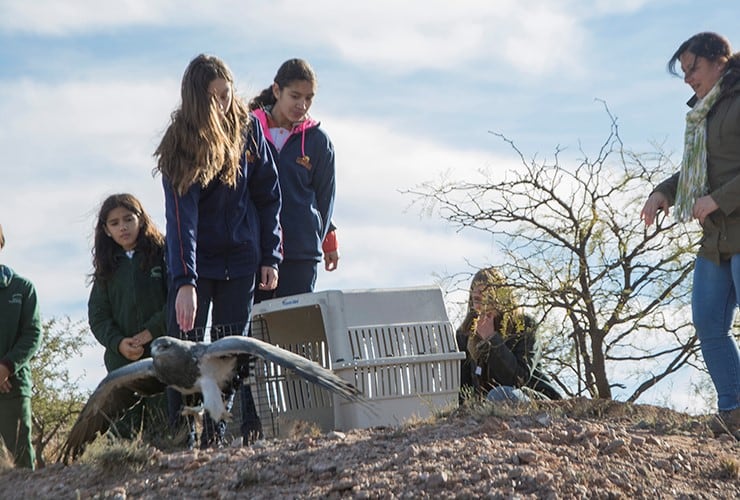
pixel 301 428
pixel 729 468
pixel 114 455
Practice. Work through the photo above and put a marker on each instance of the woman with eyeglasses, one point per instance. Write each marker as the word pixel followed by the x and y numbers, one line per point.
pixel 707 188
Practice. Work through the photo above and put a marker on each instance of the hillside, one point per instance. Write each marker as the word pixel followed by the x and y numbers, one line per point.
pixel 569 449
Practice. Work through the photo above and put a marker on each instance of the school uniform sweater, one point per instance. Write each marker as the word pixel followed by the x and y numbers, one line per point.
pixel 133 299
pixel 20 330
pixel 219 232
pixel 305 166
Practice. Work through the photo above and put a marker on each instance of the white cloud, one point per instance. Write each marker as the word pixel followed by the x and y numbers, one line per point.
pixel 533 36
pixel 116 121
pixel 603 7
pixel 52 18
pixel 89 139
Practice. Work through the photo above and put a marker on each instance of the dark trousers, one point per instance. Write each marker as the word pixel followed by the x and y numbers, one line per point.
pixel 230 304
pixel 146 418
pixel 15 430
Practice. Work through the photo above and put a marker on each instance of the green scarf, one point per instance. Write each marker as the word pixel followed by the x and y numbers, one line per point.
pixel 692 181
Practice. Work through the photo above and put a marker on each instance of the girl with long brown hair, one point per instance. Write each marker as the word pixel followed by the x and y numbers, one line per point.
pixel 222 203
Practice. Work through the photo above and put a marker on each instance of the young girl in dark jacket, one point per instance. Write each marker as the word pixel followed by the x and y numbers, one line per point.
pixel 305 162
pixel 127 305
pixel 222 205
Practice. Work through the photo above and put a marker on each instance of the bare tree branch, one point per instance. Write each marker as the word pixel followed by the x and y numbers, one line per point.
pixel 585 264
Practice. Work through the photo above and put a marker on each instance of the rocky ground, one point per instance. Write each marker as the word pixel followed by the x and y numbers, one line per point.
pixel 568 449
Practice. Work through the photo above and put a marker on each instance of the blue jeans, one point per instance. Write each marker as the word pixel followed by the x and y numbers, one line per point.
pixel 715 296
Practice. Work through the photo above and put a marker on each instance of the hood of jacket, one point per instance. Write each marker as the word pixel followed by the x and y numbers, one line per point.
pixel 263 116
pixel 6 275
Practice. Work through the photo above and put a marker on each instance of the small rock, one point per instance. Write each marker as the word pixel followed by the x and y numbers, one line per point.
pixel 527 456
pixel 543 419
pixel 523 437
pixel 343 484
pixel 437 479
pixel 615 446
pixel 323 467
pixel 663 464
pixel 543 478
pixel 336 435
pixel 653 440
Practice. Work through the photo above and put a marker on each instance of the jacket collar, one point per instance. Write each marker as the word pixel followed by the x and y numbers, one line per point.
pixel 262 115
pixel 6 275
pixel 725 93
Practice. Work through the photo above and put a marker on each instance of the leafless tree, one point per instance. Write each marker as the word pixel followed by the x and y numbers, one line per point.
pixel 610 293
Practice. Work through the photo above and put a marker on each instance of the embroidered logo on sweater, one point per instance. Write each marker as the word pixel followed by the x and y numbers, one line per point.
pixel 305 161
pixel 16 298
pixel 156 272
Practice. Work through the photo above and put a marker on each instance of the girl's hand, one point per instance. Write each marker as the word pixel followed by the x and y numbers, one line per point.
pixel 186 305
pixel 484 326
pixel 268 278
pixel 130 350
pixel 331 260
pixel 143 337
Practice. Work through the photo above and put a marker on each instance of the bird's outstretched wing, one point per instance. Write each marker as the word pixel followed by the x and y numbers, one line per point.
pixel 304 367
pixel 116 393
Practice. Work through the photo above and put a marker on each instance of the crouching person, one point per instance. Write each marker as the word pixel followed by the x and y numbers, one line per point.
pixel 500 344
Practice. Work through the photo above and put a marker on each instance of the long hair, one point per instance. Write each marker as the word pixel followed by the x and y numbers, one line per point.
pixel 201 143
pixel 497 295
pixel 2 238
pixel 290 71
pixel 713 47
pixel 149 242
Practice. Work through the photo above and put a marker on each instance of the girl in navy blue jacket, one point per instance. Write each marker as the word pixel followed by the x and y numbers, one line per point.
pixel 222 201
pixel 305 162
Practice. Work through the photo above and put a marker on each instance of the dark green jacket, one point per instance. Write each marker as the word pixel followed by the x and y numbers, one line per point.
pixel 132 300
pixel 721 229
pixel 20 330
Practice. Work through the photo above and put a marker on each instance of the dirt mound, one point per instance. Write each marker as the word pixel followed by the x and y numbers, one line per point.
pixel 568 449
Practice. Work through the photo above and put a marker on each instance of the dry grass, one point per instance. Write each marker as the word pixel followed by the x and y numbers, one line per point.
pixel 300 428
pixel 729 468
pixel 114 456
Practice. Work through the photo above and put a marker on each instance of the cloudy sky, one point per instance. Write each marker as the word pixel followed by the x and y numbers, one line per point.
pixel 408 91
